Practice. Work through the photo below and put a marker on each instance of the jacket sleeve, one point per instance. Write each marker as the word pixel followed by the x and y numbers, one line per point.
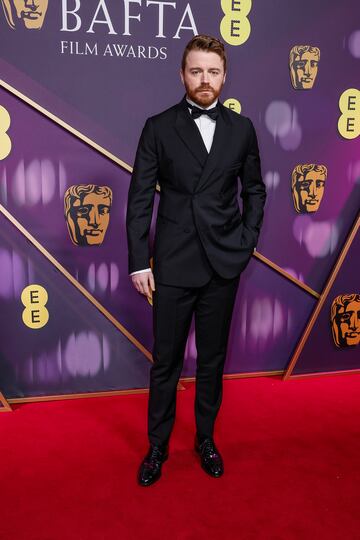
pixel 253 191
pixel 141 200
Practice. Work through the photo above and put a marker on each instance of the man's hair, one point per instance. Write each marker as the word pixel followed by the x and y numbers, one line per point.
pixel 79 191
pixel 204 43
pixel 304 169
pixel 299 50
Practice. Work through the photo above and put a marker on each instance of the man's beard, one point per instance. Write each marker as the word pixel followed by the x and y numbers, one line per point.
pixel 202 99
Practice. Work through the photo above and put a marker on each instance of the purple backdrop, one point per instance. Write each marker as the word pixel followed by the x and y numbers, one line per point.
pixel 108 99
pixel 320 339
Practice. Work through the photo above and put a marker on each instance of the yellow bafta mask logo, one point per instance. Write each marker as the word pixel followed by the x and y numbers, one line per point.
pixel 308 186
pixel 28 14
pixel 345 320
pixel 87 213
pixel 304 62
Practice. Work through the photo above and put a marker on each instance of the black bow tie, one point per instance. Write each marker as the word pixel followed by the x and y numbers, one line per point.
pixel 196 112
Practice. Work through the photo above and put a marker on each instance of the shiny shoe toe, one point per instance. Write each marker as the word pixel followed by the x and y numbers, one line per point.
pixel 211 460
pixel 150 468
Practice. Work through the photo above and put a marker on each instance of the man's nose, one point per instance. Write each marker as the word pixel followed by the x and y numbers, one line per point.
pixel 312 190
pixel 94 217
pixel 353 321
pixel 31 4
pixel 307 68
pixel 205 77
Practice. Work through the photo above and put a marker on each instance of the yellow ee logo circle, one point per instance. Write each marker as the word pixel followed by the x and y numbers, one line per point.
pixel 233 104
pixel 349 121
pixel 35 314
pixel 235 26
pixel 5 141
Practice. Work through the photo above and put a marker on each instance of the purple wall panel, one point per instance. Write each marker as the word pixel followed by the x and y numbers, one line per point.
pixel 45 160
pixel 269 315
pixel 293 126
pixel 108 99
pixel 320 352
pixel 78 350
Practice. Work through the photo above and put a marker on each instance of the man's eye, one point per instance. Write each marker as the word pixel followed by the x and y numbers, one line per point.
pixel 314 63
pixel 82 211
pixel 305 185
pixel 320 183
pixel 104 210
pixel 345 317
pixel 300 65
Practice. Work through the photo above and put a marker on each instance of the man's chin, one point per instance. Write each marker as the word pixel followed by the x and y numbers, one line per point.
pixel 352 341
pixel 32 23
pixel 204 98
pixel 92 240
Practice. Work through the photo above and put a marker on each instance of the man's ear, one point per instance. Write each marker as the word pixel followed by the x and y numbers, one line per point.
pixel 181 76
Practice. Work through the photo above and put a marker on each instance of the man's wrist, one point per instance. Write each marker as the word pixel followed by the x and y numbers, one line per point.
pixel 138 271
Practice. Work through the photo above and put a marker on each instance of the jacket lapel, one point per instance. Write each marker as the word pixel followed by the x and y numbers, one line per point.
pixel 222 136
pixel 190 134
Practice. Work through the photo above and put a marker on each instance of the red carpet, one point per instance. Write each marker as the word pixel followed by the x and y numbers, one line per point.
pixel 292 467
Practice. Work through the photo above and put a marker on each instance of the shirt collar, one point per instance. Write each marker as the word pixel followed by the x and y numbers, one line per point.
pixel 190 102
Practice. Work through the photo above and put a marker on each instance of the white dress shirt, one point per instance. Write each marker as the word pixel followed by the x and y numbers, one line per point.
pixel 205 124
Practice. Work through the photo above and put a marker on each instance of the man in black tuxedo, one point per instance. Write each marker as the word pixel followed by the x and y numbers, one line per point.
pixel 195 150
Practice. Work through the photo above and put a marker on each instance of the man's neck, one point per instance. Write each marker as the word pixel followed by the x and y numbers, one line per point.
pixel 191 102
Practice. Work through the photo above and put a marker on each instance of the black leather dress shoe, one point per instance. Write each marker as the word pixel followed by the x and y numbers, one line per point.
pixel 211 460
pixel 150 468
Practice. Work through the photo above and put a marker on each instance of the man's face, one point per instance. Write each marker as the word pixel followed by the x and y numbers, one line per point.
pixel 349 324
pixel 305 69
pixel 203 77
pixel 88 219
pixel 29 13
pixel 310 189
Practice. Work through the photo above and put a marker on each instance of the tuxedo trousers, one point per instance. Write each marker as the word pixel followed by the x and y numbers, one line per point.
pixel 173 307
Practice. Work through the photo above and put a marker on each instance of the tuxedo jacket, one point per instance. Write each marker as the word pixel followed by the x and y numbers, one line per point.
pixel 199 224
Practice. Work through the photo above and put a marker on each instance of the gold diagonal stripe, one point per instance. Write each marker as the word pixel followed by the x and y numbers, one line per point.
pixel 65 125
pixel 278 269
pixel 128 168
pixel 323 297
pixel 74 282
pixel 243 375
pixel 5 404
pixel 83 395
pixel 326 373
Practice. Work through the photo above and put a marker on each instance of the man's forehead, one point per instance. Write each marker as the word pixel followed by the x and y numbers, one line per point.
pixel 306 55
pixel 353 306
pixel 89 198
pixel 97 196
pixel 199 58
pixel 312 175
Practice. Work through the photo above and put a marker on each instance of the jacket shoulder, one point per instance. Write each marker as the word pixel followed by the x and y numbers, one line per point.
pixel 239 120
pixel 163 116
